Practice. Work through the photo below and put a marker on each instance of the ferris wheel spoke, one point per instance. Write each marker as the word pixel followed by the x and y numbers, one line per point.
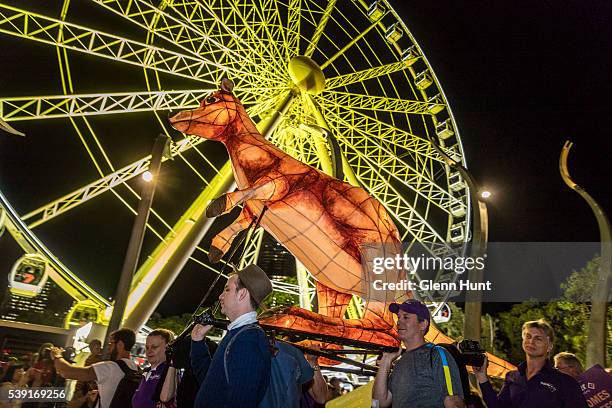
pixel 60 106
pixel 404 213
pixel 44 29
pixel 273 15
pixel 352 42
pixel 385 158
pixel 157 22
pixel 388 136
pixel 372 178
pixel 268 102
pixel 172 29
pixel 312 45
pixel 83 194
pixel 364 75
pixel 294 18
pixel 232 13
pixel 91 190
pixel 203 18
pixel 376 103
pixel 261 27
pixel 63 106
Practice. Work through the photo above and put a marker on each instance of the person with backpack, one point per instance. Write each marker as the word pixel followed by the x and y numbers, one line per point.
pixel 238 374
pixel 426 375
pixel 117 379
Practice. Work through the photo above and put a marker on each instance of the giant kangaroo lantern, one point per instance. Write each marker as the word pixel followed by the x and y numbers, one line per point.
pixel 325 223
pixel 322 221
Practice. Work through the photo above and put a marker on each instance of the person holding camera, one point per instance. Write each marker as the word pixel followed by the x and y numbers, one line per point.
pixel 425 375
pixel 107 374
pixel 536 383
pixel 238 374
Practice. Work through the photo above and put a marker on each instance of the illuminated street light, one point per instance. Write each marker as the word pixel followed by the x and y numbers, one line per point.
pixel 147 176
pixel 485 194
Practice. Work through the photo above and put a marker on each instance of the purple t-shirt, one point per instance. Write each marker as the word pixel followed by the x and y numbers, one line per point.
pixel 143 397
pixel 549 388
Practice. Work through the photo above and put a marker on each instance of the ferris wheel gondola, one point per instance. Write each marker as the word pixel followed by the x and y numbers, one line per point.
pixel 29 275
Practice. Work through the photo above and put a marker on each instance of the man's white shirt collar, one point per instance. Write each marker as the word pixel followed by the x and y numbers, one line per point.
pixel 243 320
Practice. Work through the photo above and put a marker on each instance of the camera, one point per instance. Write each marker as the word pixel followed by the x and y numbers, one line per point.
pixel 206 318
pixel 473 355
pixel 69 354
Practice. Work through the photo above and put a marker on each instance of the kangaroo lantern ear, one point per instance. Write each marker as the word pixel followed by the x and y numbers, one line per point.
pixel 227 85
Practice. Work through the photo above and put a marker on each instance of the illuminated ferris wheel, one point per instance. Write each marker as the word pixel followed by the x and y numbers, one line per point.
pixel 342 86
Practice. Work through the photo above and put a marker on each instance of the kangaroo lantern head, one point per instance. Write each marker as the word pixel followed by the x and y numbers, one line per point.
pixel 212 118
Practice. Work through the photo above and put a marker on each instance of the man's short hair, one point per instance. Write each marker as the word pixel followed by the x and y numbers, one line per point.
pixel 166 334
pixel 542 325
pixel 127 336
pixel 240 285
pixel 94 342
pixel 569 359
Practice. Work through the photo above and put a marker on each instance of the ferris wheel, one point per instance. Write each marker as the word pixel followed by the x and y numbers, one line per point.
pixel 340 85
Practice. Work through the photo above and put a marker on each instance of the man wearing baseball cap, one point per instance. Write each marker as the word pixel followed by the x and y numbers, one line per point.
pixel 425 375
pixel 238 374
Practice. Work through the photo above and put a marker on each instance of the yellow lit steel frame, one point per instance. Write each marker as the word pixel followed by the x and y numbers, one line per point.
pixel 356 71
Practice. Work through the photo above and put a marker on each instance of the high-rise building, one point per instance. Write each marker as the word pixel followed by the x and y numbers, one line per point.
pixel 275 259
pixel 49 307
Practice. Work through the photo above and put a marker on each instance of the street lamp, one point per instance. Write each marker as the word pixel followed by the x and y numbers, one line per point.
pixel 137 236
pixel 480 235
pixel 147 176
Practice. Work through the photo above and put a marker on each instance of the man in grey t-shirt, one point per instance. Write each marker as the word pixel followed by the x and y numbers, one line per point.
pixel 426 376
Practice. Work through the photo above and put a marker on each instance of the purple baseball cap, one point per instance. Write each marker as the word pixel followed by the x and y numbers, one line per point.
pixel 412 306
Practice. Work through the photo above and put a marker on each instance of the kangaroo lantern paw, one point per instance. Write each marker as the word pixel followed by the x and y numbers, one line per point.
pixel 216 206
pixel 214 254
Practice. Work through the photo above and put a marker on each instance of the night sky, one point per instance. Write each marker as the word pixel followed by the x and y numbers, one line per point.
pixel 521 78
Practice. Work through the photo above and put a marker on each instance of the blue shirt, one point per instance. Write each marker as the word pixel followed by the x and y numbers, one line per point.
pixel 248 365
pixel 549 388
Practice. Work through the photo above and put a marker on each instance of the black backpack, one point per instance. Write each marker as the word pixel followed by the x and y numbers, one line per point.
pixel 127 386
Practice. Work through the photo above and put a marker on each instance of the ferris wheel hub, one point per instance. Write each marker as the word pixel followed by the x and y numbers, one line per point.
pixel 306 75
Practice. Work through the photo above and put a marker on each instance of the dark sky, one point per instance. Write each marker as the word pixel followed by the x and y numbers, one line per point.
pixel 521 78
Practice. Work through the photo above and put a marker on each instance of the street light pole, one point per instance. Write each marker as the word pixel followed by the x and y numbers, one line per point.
pixel 135 244
pixel 596 339
pixel 480 235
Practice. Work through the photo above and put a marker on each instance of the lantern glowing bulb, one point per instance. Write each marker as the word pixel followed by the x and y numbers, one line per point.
pixel 147 176
pixel 485 194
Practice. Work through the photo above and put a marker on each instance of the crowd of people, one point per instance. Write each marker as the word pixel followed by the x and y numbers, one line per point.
pixel 250 369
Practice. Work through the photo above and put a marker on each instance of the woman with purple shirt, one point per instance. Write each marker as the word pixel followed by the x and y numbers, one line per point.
pixel 155 346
